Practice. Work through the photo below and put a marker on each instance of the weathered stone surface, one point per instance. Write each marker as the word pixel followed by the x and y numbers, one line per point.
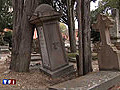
pixel 115 30
pixel 102 80
pixel 35 57
pixel 52 48
pixel 109 56
pixel 4 49
pixel 66 70
pixel 44 12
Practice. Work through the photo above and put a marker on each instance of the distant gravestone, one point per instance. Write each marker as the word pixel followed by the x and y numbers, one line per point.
pixel 4 49
pixel 115 30
pixel 108 56
pixel 54 59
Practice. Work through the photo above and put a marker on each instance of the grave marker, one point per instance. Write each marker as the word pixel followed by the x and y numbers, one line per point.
pixel 46 20
pixel 108 56
pixel 115 30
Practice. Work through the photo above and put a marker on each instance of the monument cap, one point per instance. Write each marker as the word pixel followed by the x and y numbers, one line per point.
pixel 45 10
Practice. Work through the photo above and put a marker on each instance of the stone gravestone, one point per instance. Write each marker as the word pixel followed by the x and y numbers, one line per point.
pixel 54 59
pixel 115 30
pixel 108 56
pixel 4 49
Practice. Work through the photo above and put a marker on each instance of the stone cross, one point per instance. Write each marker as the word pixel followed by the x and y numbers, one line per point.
pixel 108 56
pixel 103 24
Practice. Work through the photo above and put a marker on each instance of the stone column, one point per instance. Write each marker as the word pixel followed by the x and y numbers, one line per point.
pixel 115 31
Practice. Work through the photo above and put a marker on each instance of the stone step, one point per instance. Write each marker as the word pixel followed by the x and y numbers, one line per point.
pixel 4 47
pixel 35 54
pixel 35 63
pixel 35 58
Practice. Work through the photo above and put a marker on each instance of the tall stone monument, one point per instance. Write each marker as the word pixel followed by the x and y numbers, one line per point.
pixel 46 20
pixel 115 30
pixel 108 56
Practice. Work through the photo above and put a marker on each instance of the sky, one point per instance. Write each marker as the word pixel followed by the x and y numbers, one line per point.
pixel 93 6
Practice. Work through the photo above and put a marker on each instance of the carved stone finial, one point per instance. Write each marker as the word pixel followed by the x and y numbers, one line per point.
pixel 105 20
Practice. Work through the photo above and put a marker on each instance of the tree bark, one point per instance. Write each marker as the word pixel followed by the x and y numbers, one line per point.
pixel 22 34
pixel 71 26
pixel 84 37
pixel 80 38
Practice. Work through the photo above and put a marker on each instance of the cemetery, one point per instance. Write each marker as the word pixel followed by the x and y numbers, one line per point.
pixel 38 53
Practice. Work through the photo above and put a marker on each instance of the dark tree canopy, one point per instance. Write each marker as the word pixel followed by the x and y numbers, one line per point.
pixel 5 14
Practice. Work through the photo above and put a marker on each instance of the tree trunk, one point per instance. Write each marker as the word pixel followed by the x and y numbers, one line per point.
pixel 84 37
pixel 80 38
pixel 71 26
pixel 22 34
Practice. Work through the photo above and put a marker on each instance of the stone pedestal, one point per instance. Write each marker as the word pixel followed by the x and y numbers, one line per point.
pixel 109 58
pixel 54 59
pixel 65 70
pixel 109 55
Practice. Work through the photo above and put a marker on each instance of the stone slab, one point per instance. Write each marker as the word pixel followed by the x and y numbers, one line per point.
pixel 35 58
pixel 37 54
pixel 101 80
pixel 4 47
pixel 66 70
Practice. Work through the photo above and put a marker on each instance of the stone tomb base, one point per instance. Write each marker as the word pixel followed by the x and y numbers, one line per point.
pixel 68 69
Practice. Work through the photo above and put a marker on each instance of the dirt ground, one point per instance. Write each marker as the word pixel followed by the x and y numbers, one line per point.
pixel 35 78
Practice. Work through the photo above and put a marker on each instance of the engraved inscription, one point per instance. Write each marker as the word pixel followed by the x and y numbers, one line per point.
pixel 43 47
